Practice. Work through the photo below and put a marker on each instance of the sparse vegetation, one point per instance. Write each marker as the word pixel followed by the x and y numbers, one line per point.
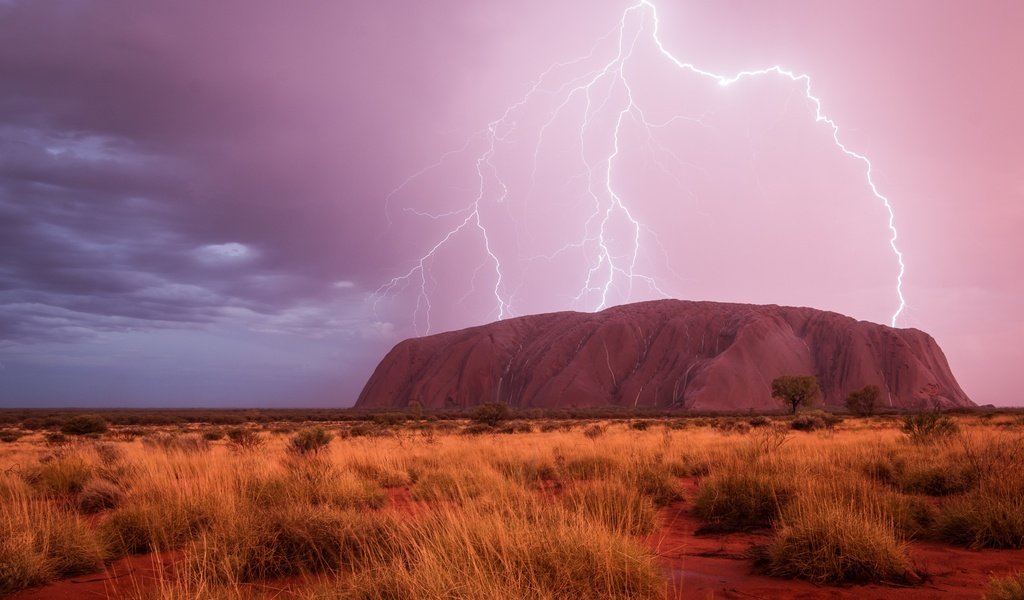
pixel 543 510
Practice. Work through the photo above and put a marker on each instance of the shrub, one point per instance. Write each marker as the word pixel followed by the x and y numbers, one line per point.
pixel 989 516
pixel 71 546
pixel 515 427
pixel 589 467
pixel 759 421
pixel 593 432
pixel 613 505
pixel 242 438
pixel 385 476
pixel 55 439
pixel 389 419
pixel 446 485
pixel 640 425
pixel 213 436
pixel 310 441
pixel 477 429
pixel 740 499
pixel 490 413
pixel 39 544
pixel 862 402
pixel 98 495
pixel 108 454
pixel 937 480
pixel 807 423
pixel 292 540
pixel 9 437
pixel 129 530
pixel 359 430
pixel 925 427
pixel 540 553
pixel 655 481
pixel 85 425
pixel 62 475
pixel 143 526
pixel 527 472
pixel 827 541
pixel 1006 588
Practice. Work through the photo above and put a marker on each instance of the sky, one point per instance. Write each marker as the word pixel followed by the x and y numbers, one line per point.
pixel 247 203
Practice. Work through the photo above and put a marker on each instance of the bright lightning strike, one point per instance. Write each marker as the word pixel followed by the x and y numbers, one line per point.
pixel 607 268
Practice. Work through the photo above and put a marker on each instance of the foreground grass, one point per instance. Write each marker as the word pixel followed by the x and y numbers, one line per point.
pixel 556 513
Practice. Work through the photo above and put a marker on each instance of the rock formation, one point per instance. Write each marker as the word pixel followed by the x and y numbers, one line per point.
pixel 666 353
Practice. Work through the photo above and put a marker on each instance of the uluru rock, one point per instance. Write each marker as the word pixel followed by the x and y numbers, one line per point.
pixel 665 354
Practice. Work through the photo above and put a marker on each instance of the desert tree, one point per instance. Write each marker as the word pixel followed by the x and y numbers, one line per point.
pixel 796 390
pixel 862 402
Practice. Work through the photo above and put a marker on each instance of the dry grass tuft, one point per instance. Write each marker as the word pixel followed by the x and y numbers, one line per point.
pixel 825 540
pixel 1006 588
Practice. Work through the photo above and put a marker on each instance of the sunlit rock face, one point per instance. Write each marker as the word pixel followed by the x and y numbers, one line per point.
pixel 665 353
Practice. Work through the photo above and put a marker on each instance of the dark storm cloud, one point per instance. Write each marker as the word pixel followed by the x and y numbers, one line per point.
pixel 161 167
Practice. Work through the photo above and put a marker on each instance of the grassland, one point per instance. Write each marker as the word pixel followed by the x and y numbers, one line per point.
pixel 396 508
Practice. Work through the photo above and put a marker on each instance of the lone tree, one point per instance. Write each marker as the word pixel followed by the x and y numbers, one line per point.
pixel 862 402
pixel 796 390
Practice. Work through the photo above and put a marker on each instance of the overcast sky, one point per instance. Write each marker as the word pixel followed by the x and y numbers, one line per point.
pixel 200 202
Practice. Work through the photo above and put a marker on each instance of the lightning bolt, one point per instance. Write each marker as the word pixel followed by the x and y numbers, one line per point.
pixel 607 270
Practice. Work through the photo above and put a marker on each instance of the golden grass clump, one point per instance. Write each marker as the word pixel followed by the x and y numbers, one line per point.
pixel 741 497
pixel 991 516
pixel 460 555
pixel 828 540
pixel 99 495
pixel 613 504
pixel 61 474
pixel 291 539
pixel 40 542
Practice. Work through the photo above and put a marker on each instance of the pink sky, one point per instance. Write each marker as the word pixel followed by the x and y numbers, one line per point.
pixel 196 195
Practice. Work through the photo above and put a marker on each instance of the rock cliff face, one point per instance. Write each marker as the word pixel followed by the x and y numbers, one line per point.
pixel 665 353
